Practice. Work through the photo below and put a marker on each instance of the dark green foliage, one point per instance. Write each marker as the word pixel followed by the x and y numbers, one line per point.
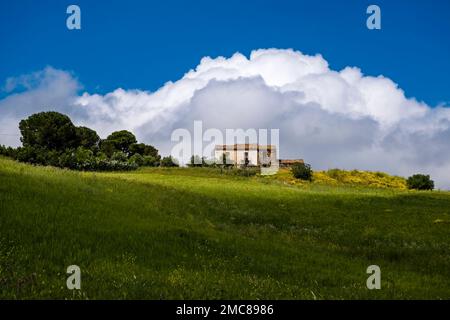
pixel 83 159
pixel 302 171
pixel 75 159
pixel 143 149
pixel 49 130
pixel 8 151
pixel 420 182
pixel 150 156
pixel 3 150
pixel 168 162
pixel 108 165
pixel 87 138
pixel 137 148
pixel 30 154
pixel 50 138
pixel 122 140
pixel 107 147
pixel 151 161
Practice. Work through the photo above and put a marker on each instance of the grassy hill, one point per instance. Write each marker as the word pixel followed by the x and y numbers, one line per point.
pixel 199 234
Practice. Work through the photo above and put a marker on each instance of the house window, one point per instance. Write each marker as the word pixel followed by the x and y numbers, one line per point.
pixel 226 158
pixel 246 161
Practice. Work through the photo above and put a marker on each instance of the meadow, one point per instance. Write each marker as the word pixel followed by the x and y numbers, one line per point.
pixel 197 233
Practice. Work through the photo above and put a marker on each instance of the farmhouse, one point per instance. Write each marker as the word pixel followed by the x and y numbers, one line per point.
pixel 246 154
pixel 251 155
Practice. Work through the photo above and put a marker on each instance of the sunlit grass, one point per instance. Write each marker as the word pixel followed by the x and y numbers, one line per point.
pixel 198 233
pixel 337 177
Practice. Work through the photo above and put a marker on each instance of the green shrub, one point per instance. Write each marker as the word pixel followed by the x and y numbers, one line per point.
pixel 169 162
pixel 51 158
pixel 302 171
pixel 420 182
pixel 50 138
pixel 83 155
pixel 151 161
pixel 75 159
pixel 111 165
pixel 31 154
pixel 136 159
pixel 8 151
pixel 101 156
pixel 119 156
pixel 68 159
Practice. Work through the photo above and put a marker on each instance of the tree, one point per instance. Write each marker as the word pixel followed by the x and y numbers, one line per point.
pixel 151 151
pixel 143 149
pixel 8 151
pixel 420 182
pixel 168 162
pixel 49 130
pixel 50 138
pixel 83 155
pixel 87 138
pixel 302 171
pixel 137 148
pixel 121 140
pixel 107 147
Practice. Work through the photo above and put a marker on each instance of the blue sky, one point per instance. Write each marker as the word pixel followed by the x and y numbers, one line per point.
pixel 142 44
pixel 330 119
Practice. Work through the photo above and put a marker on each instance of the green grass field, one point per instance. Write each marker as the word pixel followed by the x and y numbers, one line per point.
pixel 199 234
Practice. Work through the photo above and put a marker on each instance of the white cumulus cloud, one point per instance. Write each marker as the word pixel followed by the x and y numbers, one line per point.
pixel 331 118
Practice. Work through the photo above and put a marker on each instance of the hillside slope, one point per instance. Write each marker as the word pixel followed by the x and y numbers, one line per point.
pixel 195 234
